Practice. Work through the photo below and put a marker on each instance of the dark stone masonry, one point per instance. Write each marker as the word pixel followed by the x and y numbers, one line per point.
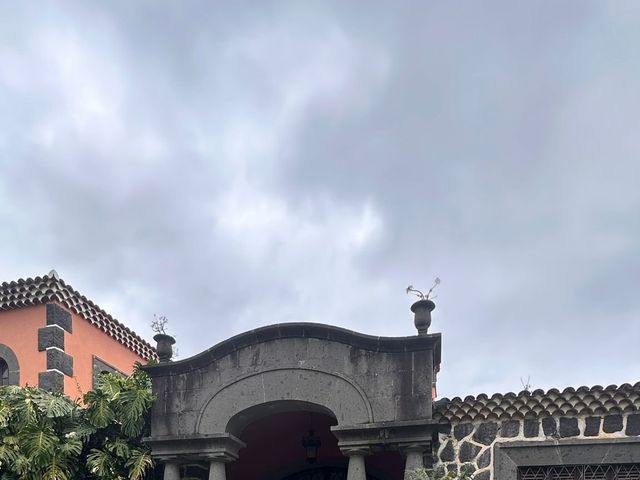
pixel 633 425
pixel 549 426
pixel 59 316
pixel 612 423
pixel 52 381
pixel 58 360
pixel 51 336
pixel 484 460
pixel 462 430
pixel 569 427
pixel 531 428
pixel 505 443
pixel 486 433
pixel 592 426
pixel 468 452
pixel 447 454
pixel 510 429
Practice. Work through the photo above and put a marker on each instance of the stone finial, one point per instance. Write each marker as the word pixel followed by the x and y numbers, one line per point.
pixel 423 307
pixel 422 315
pixel 164 347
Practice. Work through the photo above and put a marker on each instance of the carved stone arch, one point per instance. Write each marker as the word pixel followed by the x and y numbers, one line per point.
pixel 328 391
pixel 11 359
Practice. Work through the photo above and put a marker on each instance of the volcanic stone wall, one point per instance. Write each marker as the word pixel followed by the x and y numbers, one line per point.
pixel 473 442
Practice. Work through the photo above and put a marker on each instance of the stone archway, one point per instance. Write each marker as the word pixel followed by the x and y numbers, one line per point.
pixel 10 358
pixel 280 388
pixel 378 390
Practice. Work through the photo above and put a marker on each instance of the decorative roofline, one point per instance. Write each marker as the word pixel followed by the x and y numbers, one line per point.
pixel 51 288
pixel 539 403
pixel 301 330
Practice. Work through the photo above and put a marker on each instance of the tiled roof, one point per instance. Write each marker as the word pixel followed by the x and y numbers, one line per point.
pixel 538 403
pixel 50 288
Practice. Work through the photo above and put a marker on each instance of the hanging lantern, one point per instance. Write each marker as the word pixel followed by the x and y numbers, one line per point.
pixel 311 443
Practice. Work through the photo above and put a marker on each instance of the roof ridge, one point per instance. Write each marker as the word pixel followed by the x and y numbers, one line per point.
pixel 537 403
pixel 540 391
pixel 20 293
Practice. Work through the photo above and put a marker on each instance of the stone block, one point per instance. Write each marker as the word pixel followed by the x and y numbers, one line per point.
pixel 59 316
pixel 58 360
pixel 468 452
pixel 510 428
pixel 50 336
pixel 462 430
pixel 633 425
pixel 549 426
pixel 531 427
pixel 444 428
pixel 447 454
pixel 569 427
pixel 612 423
pixel 484 460
pixel 51 381
pixel 486 433
pixel 592 426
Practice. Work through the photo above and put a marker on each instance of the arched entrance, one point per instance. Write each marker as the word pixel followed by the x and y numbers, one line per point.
pixel 240 409
pixel 273 433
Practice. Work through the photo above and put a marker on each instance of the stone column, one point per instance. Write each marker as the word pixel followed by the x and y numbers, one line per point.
pixel 414 458
pixel 414 462
pixel 356 469
pixel 217 470
pixel 171 471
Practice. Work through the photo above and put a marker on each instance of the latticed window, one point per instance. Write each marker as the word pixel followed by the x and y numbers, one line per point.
pixel 581 472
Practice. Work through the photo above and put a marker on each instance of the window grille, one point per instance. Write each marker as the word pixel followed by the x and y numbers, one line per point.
pixel 581 472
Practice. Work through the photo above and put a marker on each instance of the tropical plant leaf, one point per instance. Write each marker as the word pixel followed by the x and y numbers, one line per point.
pixel 99 411
pixel 139 463
pixel 100 463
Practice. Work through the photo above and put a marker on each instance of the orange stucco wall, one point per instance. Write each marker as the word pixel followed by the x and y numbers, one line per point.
pixel 86 341
pixel 19 331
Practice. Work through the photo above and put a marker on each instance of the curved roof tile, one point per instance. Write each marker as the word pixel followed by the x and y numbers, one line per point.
pixel 39 290
pixel 571 401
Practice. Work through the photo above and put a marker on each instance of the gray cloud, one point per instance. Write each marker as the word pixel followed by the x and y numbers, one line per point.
pixel 231 167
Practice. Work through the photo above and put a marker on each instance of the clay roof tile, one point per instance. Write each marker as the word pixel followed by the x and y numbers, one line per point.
pixel 39 290
pixel 571 401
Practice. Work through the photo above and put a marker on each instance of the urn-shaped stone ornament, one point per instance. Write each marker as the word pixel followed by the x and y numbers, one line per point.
pixel 164 346
pixel 422 315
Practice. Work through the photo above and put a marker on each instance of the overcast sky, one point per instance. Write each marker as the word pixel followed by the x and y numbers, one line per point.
pixel 236 164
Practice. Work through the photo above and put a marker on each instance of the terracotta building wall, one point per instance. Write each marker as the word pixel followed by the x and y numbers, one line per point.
pixel 57 349
pixel 88 341
pixel 19 331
